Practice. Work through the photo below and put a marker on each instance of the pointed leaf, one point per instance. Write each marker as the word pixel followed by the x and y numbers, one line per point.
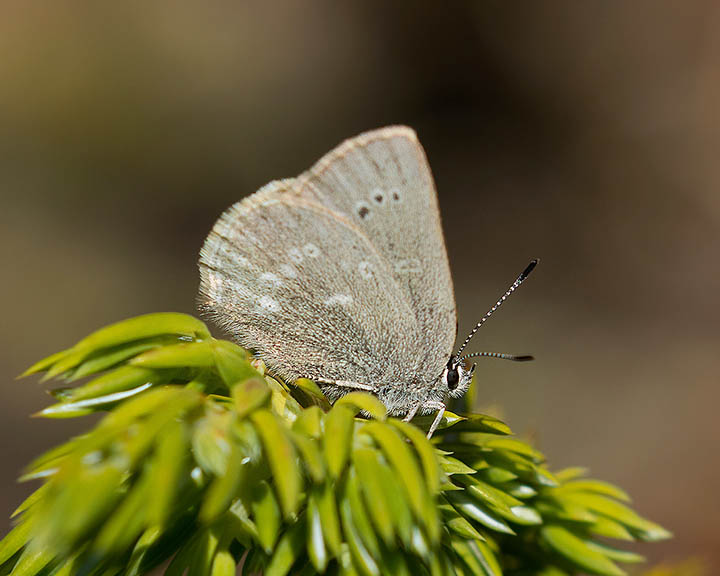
pixel 112 357
pixel 45 363
pixel 619 512
pixel 126 522
pixel 309 422
pixel 497 476
pixel 29 502
pixel 515 445
pixel 119 380
pixel 88 406
pixel 317 551
pixel 337 438
pixel 525 515
pixel 360 555
pixel 567 474
pixel 32 561
pixel 489 495
pixel 232 362
pixel 145 326
pixel 241 527
pixel 312 457
pixel 211 442
pixel 565 511
pixel 471 508
pixel 186 354
pixel 595 487
pixel 282 459
pixel 578 552
pixel 452 466
pixel 519 490
pixel 362 401
pixel 14 540
pixel 327 507
pixel 481 423
pixel 250 395
pixel 358 514
pixel 283 404
pixel 477 556
pixel 615 553
pixel 406 467
pixel 457 523
pixel 313 392
pixel 448 420
pixel 224 489
pixel 368 468
pixel 223 564
pixel 287 552
pixel 201 560
pixel 171 461
pixel 610 529
pixel 266 512
pixel 431 469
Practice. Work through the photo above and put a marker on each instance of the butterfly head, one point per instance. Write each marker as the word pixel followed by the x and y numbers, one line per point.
pixel 457 376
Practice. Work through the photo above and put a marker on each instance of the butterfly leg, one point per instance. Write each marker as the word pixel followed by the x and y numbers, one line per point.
pixel 430 405
pixel 440 407
pixel 411 414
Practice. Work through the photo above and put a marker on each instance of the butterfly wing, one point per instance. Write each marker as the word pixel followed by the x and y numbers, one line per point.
pixel 303 288
pixel 381 182
pixel 319 287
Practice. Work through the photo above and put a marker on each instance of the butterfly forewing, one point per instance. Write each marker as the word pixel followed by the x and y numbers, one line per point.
pixel 381 181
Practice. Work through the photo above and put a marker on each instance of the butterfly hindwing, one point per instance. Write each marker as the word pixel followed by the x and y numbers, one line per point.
pixel 296 283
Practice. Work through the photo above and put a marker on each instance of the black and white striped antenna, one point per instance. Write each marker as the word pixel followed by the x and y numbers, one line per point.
pixel 520 279
pixel 500 355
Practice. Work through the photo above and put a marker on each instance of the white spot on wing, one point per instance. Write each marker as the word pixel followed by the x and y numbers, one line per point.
pixel 269 304
pixel 287 271
pixel 408 266
pixel 271 279
pixel 215 282
pixel 365 269
pixel 269 201
pixel 242 262
pixel 249 238
pixel 341 299
pixel 311 251
pixel 295 255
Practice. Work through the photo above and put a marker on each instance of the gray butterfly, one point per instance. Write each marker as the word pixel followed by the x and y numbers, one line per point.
pixel 341 275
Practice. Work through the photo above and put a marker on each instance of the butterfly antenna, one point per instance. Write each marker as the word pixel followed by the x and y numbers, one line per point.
pixel 501 356
pixel 520 279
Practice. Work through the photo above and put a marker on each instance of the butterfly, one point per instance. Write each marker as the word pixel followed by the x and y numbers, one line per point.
pixel 341 275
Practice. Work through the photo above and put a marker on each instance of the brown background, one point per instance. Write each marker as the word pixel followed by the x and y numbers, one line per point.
pixel 586 133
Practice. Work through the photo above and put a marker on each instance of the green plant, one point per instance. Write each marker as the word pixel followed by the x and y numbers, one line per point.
pixel 204 460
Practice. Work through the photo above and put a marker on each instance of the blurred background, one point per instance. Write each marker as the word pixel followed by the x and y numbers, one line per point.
pixel 584 133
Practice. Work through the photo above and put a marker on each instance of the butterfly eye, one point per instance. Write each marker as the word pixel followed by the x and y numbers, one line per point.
pixel 452 378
